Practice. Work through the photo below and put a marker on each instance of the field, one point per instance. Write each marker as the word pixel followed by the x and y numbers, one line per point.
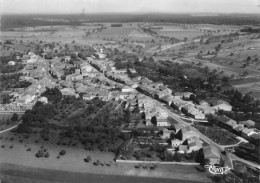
pixel 5 117
pixel 217 134
pixel 15 151
pixel 5 120
pixel 179 32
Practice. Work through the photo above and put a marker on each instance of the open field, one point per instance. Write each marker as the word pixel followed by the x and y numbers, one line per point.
pixel 73 161
pixel 181 34
pixel 21 174
pixel 5 117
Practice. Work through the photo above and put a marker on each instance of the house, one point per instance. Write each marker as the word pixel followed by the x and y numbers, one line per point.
pixel 67 91
pixel 194 144
pixel 88 96
pixel 183 149
pixel 185 95
pixel 127 89
pixel 178 103
pixel 132 71
pixel 43 100
pixel 221 105
pixel 167 99
pixel 26 99
pixel 185 133
pixel 100 55
pixel 162 121
pixel 205 108
pixel 176 127
pixel 211 155
pixel 227 121
pixel 123 95
pixel 11 63
pixel 248 123
pixel 193 112
pixel 246 132
pixel 166 134
pixel 175 143
pixel 238 128
pixel 74 77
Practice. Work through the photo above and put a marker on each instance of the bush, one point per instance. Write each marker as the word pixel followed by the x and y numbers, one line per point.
pixel 88 159
pixel 39 154
pixel 137 166
pixel 29 149
pixel 2 146
pixel 96 163
pixel 15 117
pixel 47 155
pixel 63 152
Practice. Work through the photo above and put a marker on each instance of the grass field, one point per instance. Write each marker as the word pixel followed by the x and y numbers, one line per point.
pixel 72 162
pixel 22 174
pixel 180 34
pixel 5 117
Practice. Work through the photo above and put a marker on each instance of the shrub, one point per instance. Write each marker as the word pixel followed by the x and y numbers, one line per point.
pixel 96 163
pixel 11 146
pixel 39 154
pixel 29 149
pixel 47 155
pixel 15 117
pixel 2 146
pixel 137 166
pixel 62 152
pixel 88 159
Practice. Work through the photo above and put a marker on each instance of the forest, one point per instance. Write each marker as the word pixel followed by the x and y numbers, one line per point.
pixel 94 123
pixel 9 22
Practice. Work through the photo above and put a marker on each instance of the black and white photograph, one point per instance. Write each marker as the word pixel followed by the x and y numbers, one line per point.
pixel 129 91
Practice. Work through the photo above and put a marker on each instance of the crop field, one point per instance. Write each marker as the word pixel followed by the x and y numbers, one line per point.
pixel 180 34
pixel 114 32
pixel 138 34
pixel 252 88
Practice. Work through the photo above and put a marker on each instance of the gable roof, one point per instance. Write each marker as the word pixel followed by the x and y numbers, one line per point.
pixel 211 152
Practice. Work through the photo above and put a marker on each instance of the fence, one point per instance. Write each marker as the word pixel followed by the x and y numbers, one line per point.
pixel 156 162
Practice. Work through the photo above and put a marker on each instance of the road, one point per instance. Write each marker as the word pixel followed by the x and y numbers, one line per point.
pixel 228 159
pixel 205 138
pixel 170 46
pixel 8 129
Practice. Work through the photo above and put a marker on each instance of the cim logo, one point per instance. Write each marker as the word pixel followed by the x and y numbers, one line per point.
pixel 217 170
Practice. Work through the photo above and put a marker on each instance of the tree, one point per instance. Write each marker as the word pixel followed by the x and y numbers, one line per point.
pixel 192 97
pixel 177 157
pixel 88 159
pixel 47 155
pixel 39 154
pixel 62 152
pixel 247 99
pixel 172 135
pixel 15 117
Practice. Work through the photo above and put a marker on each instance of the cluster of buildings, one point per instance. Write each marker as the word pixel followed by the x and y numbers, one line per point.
pixel 246 129
pixel 186 140
pixel 35 72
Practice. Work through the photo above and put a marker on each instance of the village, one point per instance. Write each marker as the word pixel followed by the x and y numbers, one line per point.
pixel 172 117
pixel 141 99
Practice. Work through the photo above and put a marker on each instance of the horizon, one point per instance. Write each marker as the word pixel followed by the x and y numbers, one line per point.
pixel 130 6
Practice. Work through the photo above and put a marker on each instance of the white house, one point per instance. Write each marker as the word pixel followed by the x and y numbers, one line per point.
pixel 221 105
pixel 127 89
pixel 11 63
pixel 43 100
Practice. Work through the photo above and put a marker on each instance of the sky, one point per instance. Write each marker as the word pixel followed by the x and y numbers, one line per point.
pixel 129 6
